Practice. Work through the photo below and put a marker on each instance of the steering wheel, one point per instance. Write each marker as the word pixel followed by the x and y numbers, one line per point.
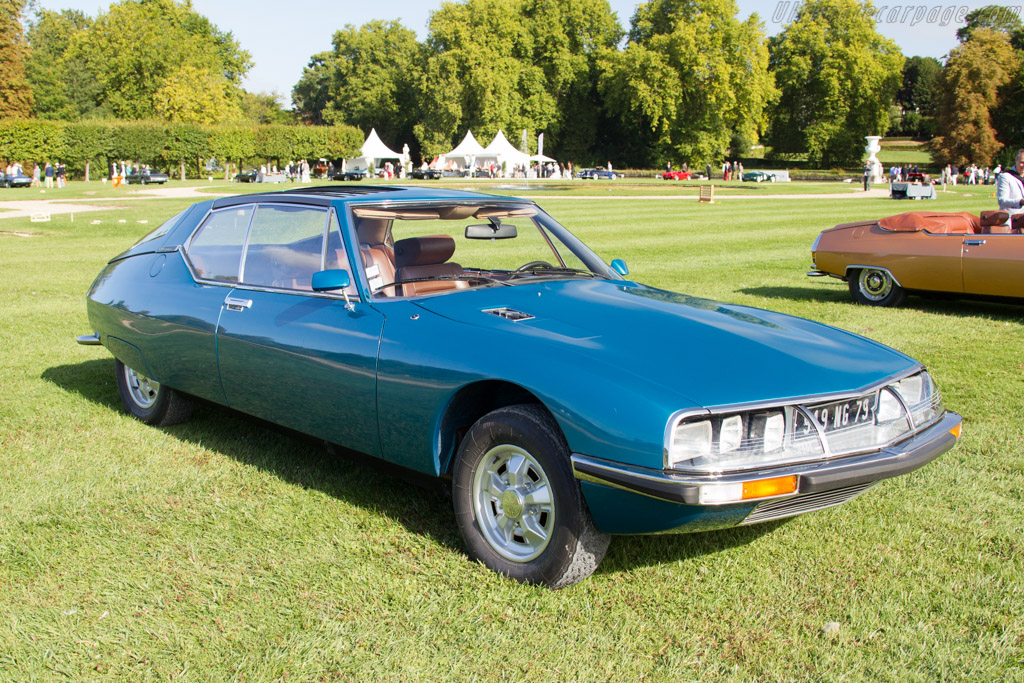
pixel 534 264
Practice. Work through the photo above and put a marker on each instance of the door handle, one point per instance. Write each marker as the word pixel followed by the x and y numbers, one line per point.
pixel 973 243
pixel 233 304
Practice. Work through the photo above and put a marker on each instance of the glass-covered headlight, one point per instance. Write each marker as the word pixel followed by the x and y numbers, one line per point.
pixel 772 436
pixel 741 440
pixel 919 393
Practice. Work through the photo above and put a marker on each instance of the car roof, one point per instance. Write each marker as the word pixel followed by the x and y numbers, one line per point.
pixel 323 195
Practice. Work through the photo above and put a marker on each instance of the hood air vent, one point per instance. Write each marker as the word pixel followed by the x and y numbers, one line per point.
pixel 509 314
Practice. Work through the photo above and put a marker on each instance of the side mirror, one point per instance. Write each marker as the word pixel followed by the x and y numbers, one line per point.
pixel 490 231
pixel 619 266
pixel 330 280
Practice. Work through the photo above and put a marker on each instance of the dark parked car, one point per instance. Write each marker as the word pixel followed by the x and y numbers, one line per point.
pixel 14 180
pixel 473 339
pixel 758 177
pixel 254 176
pixel 349 176
pixel 597 173
pixel 146 177
pixel 425 174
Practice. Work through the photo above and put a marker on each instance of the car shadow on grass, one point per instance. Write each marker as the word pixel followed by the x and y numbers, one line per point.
pixel 931 302
pixel 364 481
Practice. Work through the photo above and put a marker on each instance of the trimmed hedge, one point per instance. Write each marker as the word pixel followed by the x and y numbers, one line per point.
pixel 165 145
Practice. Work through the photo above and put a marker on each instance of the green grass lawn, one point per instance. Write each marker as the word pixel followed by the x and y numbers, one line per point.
pixel 225 548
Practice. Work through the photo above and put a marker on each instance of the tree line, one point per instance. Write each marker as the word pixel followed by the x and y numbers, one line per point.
pixel 687 82
pixel 84 145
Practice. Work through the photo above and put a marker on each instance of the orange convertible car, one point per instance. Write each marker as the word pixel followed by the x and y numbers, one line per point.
pixel 924 251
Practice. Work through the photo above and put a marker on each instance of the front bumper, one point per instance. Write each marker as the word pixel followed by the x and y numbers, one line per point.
pixel 813 477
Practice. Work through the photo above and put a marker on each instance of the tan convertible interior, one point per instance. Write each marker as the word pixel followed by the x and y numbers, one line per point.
pixel 962 223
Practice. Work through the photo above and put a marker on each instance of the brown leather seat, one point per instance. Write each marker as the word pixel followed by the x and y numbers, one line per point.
pixel 420 257
pixel 378 257
pixel 990 218
pixel 380 267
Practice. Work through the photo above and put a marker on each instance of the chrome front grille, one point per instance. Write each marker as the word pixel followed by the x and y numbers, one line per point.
pixel 809 502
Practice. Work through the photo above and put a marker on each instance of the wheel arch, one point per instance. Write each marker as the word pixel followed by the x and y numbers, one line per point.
pixel 849 268
pixel 468 405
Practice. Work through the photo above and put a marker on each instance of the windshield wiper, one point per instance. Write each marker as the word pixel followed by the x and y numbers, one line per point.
pixel 545 272
pixel 464 276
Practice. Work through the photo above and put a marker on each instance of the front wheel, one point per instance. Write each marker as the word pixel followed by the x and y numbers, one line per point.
pixel 148 400
pixel 875 287
pixel 519 507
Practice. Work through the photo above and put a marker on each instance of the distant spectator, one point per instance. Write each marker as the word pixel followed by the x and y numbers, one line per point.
pixel 1010 187
pixel 48 173
pixel 35 175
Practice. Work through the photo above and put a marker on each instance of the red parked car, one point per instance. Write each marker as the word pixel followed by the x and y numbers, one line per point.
pixel 676 175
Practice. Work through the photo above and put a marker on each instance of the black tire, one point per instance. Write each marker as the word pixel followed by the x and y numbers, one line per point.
pixel 875 287
pixel 149 401
pixel 572 548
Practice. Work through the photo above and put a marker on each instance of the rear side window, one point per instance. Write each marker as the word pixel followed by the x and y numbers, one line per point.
pixel 215 251
pixel 285 248
pixel 164 228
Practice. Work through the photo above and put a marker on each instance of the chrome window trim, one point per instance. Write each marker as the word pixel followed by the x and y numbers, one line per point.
pixel 183 248
pixel 850 267
pixel 797 403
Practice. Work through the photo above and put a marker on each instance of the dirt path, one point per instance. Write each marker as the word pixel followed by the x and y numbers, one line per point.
pixel 26 208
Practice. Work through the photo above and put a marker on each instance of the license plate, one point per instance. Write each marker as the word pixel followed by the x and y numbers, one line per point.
pixel 841 415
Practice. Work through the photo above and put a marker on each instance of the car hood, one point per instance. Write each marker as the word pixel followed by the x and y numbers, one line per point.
pixel 710 352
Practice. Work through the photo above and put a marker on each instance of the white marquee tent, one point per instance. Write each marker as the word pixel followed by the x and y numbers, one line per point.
pixel 501 150
pixel 373 151
pixel 465 153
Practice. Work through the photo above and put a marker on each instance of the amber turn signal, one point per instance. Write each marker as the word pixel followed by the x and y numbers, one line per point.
pixel 955 431
pixel 763 488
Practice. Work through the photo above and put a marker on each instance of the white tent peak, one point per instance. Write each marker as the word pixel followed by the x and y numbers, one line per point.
pixel 374 148
pixel 469 147
pixel 500 146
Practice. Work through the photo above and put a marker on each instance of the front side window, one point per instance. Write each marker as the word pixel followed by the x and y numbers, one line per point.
pixel 215 251
pixel 285 247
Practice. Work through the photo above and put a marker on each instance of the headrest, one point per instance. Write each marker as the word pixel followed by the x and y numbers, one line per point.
pixel 372 230
pixel 994 218
pixel 423 251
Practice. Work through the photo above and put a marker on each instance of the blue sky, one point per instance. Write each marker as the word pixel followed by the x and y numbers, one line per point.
pixel 282 36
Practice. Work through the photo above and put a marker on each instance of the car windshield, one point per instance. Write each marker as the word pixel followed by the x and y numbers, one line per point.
pixel 433 249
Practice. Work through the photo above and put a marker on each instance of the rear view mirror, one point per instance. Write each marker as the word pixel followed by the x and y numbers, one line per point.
pixel 491 231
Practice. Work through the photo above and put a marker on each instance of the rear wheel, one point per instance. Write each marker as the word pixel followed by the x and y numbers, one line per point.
pixel 875 287
pixel 519 507
pixel 149 401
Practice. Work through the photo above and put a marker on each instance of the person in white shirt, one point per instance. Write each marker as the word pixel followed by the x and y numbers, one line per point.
pixel 1010 187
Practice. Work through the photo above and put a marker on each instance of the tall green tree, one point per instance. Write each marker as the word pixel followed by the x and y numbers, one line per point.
pixel 139 48
pixel 691 80
pixel 993 17
pixel 372 80
pixel 917 98
pixel 312 93
pixel 511 65
pixel 15 91
pixel 971 82
pixel 62 88
pixel 838 79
